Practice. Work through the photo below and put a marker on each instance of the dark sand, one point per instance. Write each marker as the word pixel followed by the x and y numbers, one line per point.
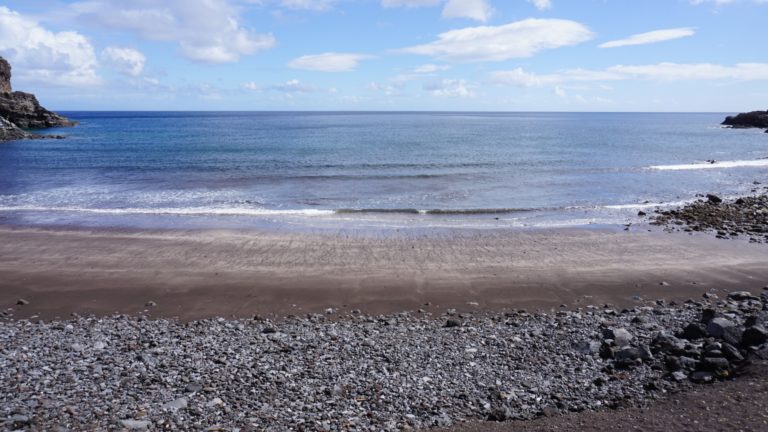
pixel 206 273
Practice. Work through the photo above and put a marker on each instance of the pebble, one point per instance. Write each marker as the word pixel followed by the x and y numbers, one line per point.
pixel 366 372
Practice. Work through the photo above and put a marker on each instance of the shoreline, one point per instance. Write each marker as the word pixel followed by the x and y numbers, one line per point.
pixel 193 274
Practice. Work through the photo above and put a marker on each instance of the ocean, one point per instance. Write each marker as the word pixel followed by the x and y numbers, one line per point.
pixel 372 169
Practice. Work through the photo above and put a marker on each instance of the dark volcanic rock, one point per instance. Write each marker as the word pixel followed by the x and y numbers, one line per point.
pixel 19 110
pixel 5 76
pixel 742 217
pixel 9 131
pixel 754 119
pixel 23 110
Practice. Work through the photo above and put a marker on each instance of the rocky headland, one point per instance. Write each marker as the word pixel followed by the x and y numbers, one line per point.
pixel 754 119
pixel 20 111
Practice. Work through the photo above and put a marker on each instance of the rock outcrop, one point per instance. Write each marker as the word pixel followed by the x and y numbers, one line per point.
pixel 754 119
pixel 19 110
pixel 9 131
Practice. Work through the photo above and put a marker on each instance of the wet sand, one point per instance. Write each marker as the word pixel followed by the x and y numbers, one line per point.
pixel 207 273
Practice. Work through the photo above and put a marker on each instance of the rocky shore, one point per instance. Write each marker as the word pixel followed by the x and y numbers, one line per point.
pixel 754 119
pixel 20 111
pixel 357 372
pixel 745 217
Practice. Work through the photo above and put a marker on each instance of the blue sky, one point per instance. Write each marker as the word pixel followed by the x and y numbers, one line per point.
pixel 497 55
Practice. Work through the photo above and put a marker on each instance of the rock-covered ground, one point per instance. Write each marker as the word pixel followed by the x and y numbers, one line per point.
pixel 745 217
pixel 354 372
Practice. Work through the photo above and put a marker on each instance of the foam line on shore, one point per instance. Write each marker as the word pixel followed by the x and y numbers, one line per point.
pixel 709 165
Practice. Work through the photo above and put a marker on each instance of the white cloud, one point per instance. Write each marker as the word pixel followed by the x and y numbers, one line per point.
pixel 127 61
pixel 651 37
pixel 478 10
pixel 660 72
pixel 409 3
pixel 386 89
pixel 207 31
pixel 252 86
pixel 449 88
pixel 41 56
pixel 315 5
pixel 498 43
pixel 293 86
pixel 328 62
pixel 696 71
pixel 541 4
pixel 520 78
pixel 430 68
pixel 725 2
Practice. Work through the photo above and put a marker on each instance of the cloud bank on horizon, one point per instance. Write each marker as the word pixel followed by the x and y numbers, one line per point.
pixel 516 55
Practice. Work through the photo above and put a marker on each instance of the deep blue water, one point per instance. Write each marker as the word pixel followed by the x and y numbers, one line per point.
pixel 233 168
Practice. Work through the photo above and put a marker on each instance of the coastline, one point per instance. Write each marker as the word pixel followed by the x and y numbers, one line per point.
pixel 194 274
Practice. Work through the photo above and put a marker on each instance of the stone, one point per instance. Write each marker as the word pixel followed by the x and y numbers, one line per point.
pixel 679 376
pixel 732 353
pixel 150 304
pixel 620 336
pixel 714 199
pixel 694 331
pixel 742 296
pixel 587 347
pixel 22 302
pixel 452 322
pixel 135 424
pixel 668 344
pixel 176 404
pixel 702 377
pixel 717 327
pixel 715 363
pixel 193 387
pixel 633 353
pixel 755 335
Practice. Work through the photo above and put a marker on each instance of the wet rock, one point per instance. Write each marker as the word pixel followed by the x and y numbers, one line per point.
pixel 714 199
pixel 22 302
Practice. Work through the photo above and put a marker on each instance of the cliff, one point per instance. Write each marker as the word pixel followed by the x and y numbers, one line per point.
pixel 19 110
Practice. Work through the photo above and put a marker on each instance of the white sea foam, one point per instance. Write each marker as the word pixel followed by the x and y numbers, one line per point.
pixel 232 211
pixel 716 165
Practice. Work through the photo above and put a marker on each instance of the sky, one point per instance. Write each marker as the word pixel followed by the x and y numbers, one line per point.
pixel 456 55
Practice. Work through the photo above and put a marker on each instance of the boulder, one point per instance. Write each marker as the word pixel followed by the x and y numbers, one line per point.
pixel 755 335
pixel 717 327
pixel 620 336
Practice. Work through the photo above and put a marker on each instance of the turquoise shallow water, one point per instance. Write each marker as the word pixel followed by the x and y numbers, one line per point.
pixel 504 169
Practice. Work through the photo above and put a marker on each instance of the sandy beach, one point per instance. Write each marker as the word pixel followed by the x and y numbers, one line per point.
pixel 200 274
